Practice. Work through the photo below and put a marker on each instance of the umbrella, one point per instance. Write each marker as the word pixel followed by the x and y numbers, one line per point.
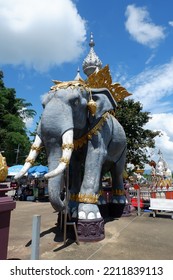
pixel 13 170
pixel 37 171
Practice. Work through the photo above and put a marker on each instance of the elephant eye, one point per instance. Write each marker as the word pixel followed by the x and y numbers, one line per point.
pixel 76 102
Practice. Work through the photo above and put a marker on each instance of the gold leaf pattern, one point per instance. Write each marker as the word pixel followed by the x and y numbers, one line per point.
pixel 103 79
pixel 85 198
pixel 78 143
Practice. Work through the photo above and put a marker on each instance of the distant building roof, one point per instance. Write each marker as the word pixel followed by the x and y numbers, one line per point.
pixel 78 76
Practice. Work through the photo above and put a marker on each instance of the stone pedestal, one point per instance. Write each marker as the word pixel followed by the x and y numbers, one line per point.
pixel 6 206
pixel 90 230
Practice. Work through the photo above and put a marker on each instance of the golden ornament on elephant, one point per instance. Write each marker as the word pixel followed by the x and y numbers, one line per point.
pixel 92 107
pixel 3 168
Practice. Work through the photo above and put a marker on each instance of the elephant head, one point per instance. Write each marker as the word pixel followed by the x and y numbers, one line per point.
pixel 65 118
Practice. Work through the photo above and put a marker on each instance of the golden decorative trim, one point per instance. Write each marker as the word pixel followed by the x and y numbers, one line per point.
pixel 31 161
pixel 112 112
pixel 69 146
pixel 100 79
pixel 113 192
pixel 65 160
pixel 78 143
pixel 36 148
pixel 85 198
pixel 71 84
pixel 92 107
pixel 118 192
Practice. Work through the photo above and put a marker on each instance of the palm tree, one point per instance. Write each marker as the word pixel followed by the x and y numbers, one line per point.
pixel 13 113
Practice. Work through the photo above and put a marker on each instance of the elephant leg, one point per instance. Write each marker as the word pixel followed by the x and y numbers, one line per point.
pixel 88 195
pixel 117 185
pixel 75 184
pixel 118 199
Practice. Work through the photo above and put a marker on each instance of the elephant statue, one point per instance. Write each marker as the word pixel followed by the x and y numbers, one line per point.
pixel 78 127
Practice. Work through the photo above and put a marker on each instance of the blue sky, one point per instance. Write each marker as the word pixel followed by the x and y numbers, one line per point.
pixel 42 40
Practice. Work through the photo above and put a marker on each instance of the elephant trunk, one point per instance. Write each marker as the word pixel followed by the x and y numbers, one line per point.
pixel 67 148
pixel 55 187
pixel 35 148
pixel 56 181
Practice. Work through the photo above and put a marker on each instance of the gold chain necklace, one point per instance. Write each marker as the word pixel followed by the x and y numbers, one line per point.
pixel 78 143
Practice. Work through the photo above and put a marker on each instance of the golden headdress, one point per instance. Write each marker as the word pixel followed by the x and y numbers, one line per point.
pixel 100 79
pixel 103 79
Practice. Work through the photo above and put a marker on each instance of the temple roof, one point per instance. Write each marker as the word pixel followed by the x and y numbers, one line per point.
pixel 78 76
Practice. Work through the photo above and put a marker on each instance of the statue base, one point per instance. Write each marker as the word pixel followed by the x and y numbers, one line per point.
pixel 90 230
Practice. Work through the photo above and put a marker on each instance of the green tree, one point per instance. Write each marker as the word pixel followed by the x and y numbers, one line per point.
pixel 13 134
pixel 133 119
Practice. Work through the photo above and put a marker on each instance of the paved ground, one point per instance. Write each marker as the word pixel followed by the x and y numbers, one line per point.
pixel 127 238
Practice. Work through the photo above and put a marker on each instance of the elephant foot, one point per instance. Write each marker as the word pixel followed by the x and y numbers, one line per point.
pixel 116 207
pixel 73 209
pixel 102 200
pixel 88 211
pixel 118 199
pixel 89 222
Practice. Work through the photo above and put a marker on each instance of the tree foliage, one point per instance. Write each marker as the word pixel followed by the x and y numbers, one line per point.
pixel 133 120
pixel 13 134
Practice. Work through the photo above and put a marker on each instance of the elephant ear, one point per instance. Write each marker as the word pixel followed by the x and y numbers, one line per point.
pixel 104 100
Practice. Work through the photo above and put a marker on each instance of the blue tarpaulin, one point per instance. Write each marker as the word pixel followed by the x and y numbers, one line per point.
pixel 38 171
pixel 13 170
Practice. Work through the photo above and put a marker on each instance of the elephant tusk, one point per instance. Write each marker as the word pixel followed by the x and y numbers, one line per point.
pixel 35 148
pixel 67 149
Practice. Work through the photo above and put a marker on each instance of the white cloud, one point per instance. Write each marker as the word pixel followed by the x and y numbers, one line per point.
pixel 162 122
pixel 141 28
pixel 29 122
pixel 170 23
pixel 150 58
pixel 40 34
pixel 164 143
pixel 166 146
pixel 152 87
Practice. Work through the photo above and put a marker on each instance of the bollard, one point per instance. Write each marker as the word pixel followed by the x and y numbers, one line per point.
pixel 35 237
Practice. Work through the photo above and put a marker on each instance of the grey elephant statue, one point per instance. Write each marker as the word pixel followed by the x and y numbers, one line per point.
pixel 77 127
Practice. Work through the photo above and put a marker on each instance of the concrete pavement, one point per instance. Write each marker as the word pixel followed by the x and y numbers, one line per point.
pixel 127 238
